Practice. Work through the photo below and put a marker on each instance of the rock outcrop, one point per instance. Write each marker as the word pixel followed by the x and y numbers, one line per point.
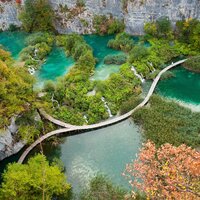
pixel 9 144
pixel 9 137
pixel 134 12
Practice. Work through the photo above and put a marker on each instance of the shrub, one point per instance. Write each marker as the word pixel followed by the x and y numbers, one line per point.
pixel 193 64
pixel 80 3
pixel 167 122
pixel 37 15
pixel 13 27
pixel 130 104
pixel 115 59
pixel 107 25
pixel 161 28
pixel 102 188
pixel 138 53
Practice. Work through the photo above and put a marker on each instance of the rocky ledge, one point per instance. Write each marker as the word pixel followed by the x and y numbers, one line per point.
pixel 9 144
pixel 134 13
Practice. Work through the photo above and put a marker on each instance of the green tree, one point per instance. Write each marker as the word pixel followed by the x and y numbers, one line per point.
pixel 163 26
pixel 102 188
pixel 137 53
pixel 37 15
pixel 16 89
pixel 150 28
pixel 34 180
pixel 122 41
pixel 195 37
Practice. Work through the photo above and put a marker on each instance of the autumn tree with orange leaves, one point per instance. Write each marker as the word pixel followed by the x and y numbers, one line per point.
pixel 166 173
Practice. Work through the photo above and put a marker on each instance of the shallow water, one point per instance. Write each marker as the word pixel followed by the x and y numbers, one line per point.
pixel 184 87
pixel 13 42
pixel 100 49
pixel 56 65
pixel 106 150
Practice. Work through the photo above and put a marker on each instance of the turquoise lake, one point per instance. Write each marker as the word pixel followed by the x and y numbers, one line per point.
pixel 100 50
pixel 184 87
pixel 106 150
pixel 56 65
pixel 13 42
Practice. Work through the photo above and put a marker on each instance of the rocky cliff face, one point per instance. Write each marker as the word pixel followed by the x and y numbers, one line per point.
pixel 8 141
pixel 134 12
pixel 141 11
pixel 8 14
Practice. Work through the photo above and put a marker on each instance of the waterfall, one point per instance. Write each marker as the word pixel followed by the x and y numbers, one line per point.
pixel 106 106
pixel 86 119
pixel 35 52
pixel 151 64
pixel 136 74
pixel 31 70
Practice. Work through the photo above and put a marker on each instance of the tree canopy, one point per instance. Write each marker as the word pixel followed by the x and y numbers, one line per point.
pixel 166 173
pixel 35 180
pixel 16 89
pixel 37 15
pixel 102 188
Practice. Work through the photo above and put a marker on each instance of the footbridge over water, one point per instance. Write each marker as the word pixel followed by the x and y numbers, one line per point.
pixel 69 128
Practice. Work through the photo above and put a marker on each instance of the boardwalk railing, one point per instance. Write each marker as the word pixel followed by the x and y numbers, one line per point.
pixel 68 127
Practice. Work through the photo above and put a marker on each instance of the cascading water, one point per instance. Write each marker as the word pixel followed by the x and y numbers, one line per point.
pixel 35 52
pixel 31 70
pixel 138 75
pixel 106 106
pixel 86 119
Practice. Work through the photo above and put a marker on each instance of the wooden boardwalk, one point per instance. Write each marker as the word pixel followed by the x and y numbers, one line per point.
pixel 68 127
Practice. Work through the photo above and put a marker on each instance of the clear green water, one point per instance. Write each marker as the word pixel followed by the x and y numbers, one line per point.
pixel 184 87
pixel 13 42
pixel 100 49
pixel 105 150
pixel 56 65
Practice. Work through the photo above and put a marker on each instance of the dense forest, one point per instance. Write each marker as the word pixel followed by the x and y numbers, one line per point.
pixel 168 128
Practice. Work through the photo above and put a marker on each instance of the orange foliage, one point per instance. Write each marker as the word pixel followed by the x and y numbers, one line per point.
pixel 18 1
pixel 166 173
